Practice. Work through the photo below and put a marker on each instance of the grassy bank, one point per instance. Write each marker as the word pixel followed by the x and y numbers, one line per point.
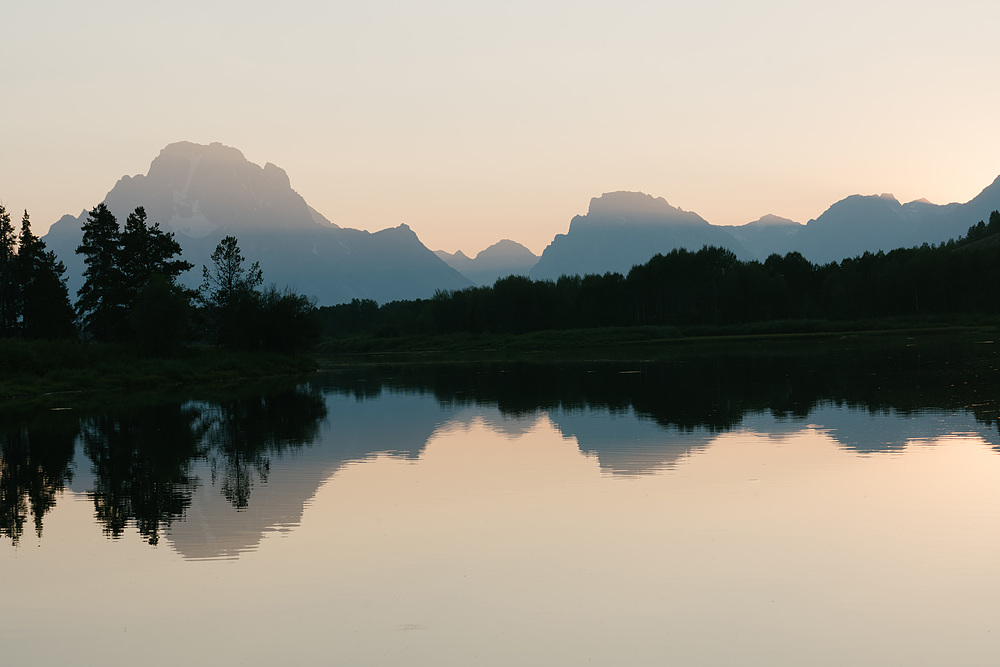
pixel 626 340
pixel 30 369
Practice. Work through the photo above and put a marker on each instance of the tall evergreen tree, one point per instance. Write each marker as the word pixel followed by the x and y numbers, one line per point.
pixel 45 310
pixel 146 251
pixel 8 283
pixel 159 308
pixel 101 304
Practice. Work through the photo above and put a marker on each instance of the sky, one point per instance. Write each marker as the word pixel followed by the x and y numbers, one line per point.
pixel 473 121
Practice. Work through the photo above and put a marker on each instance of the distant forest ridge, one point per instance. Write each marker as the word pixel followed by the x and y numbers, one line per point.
pixel 711 286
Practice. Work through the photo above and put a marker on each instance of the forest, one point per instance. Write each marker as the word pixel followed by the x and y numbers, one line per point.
pixel 711 287
pixel 131 292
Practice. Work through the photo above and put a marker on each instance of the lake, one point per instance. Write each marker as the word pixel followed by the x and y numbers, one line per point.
pixel 811 502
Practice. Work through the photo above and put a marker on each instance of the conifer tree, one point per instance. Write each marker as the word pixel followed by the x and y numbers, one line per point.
pixel 101 304
pixel 147 251
pixel 44 307
pixel 8 283
pixel 159 309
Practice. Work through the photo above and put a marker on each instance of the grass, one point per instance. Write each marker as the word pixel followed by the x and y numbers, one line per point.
pixel 33 369
pixel 618 341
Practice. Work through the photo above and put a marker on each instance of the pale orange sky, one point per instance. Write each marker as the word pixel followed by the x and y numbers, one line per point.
pixel 473 122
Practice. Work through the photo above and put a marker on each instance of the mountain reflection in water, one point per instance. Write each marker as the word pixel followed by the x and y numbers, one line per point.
pixel 200 472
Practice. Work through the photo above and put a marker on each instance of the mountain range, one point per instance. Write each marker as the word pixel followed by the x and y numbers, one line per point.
pixel 622 229
pixel 202 193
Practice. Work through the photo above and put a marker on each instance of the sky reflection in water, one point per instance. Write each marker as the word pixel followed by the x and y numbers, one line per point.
pixel 408 528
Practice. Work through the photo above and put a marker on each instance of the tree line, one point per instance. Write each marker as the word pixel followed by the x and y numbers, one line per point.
pixel 131 292
pixel 710 286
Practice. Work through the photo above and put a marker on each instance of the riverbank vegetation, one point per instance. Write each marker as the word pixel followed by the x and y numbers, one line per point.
pixel 75 372
pixel 135 323
pixel 134 326
pixel 131 294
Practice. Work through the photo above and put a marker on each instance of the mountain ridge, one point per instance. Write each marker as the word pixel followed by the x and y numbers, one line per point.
pixel 204 192
pixel 623 229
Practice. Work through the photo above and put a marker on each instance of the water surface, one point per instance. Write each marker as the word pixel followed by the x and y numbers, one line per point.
pixel 642 513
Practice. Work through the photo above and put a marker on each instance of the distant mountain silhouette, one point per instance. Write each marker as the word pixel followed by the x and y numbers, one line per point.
pixel 203 193
pixel 859 224
pixel 622 229
pixel 503 258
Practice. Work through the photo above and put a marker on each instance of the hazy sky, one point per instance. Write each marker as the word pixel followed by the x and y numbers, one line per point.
pixel 474 121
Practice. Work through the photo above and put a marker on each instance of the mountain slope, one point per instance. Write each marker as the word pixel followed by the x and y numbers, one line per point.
pixel 859 224
pixel 203 193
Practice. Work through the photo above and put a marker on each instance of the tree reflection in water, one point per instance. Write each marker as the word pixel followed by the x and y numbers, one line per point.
pixel 142 463
pixel 35 466
pixel 243 434
pixel 143 457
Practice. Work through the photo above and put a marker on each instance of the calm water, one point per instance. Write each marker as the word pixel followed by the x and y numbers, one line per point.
pixel 818 507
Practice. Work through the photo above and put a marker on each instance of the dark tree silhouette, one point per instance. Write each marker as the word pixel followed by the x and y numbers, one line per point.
pixel 43 300
pixel 142 466
pixel 8 282
pixel 240 316
pixel 35 465
pixel 229 294
pixel 101 305
pixel 228 282
pixel 158 308
pixel 147 251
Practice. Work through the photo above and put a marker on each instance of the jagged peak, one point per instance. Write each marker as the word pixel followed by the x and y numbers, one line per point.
pixel 771 220
pixel 624 201
pixel 629 209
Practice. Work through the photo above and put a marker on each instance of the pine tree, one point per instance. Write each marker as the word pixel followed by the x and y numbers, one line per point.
pixel 147 251
pixel 101 304
pixel 8 283
pixel 45 310
pixel 158 308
